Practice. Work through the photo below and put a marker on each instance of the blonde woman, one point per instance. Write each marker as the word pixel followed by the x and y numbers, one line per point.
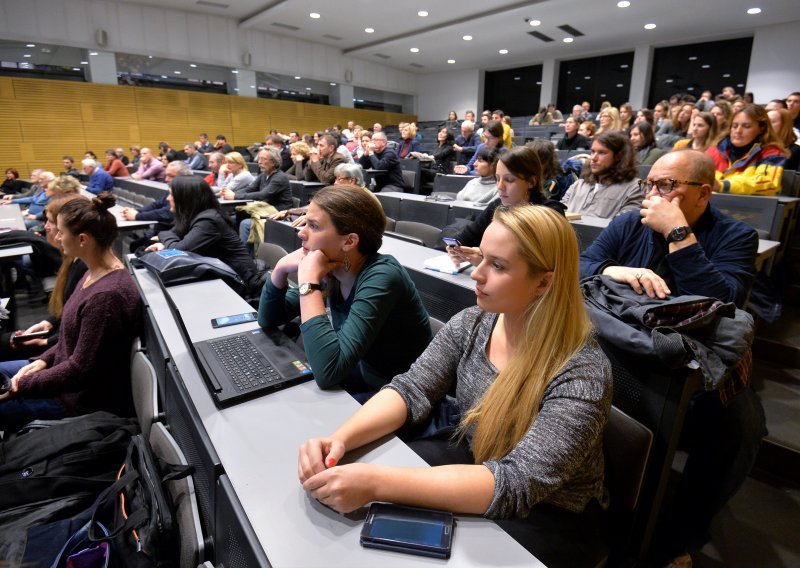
pixel 235 176
pixel 299 152
pixel 609 120
pixel 534 392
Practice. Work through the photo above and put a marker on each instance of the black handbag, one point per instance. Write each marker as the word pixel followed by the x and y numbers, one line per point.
pixel 142 528
pixel 173 266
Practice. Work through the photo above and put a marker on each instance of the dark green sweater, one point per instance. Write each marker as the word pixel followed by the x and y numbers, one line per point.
pixel 378 331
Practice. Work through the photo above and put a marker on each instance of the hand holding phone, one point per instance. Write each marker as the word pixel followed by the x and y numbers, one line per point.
pixel 22 336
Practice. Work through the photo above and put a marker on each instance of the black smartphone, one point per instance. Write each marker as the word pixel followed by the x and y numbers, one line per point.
pixel 423 532
pixel 235 319
pixel 451 242
pixel 32 335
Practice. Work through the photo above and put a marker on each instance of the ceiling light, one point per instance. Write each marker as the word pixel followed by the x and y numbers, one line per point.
pixel 740 85
pixel 690 88
pixel 467 38
pixel 587 77
pixel 620 85
pixel 369 30
pixel 602 94
pixel 706 66
pixel 726 75
pixel 422 14
pixel 753 11
pixel 297 77
pixel 92 53
pixel 177 72
pixel 624 66
pixel 649 26
pixel 34 45
pixel 84 63
pixel 577 88
pixel 235 71
pixel 333 84
pixel 503 51
pixel 76 68
pixel 414 50
pixel 693 58
pixel 451 61
pixel 669 80
pixel 538 82
pixel 314 15
pixel 27 55
pixel 236 89
pixel 568 40
pixel 164 77
pixel 535 23
pixel 517 78
pixel 623 4
pixel 192 64
pixel 308 88
pixel 149 57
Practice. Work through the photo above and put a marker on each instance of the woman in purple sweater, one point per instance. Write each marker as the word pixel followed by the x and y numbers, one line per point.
pixel 89 368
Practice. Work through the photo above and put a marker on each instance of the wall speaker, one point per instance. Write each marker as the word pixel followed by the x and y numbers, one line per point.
pixel 101 37
pixel 247 59
pixel 348 76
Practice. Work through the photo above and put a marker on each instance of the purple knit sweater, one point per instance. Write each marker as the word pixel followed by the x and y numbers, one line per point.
pixel 89 368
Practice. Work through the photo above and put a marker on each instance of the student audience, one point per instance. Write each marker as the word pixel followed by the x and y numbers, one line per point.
pixel 587 129
pixel 377 324
pixel 703 132
pixel 493 138
pixel 750 159
pixel 532 460
pixel 556 181
pixel 12 184
pixel 215 162
pixel 69 166
pixel 408 141
pixel 608 184
pixel 643 140
pixel 322 162
pixel 482 189
pixel 149 167
pixel 572 139
pixel 723 112
pixel 194 159
pixel 781 121
pixel 299 152
pixel 378 157
pixel 114 165
pixel 99 179
pixel 236 176
pixel 88 369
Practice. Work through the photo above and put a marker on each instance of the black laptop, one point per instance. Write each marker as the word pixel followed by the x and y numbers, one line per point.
pixel 248 364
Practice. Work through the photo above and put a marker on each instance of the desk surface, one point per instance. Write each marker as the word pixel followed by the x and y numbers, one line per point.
pixel 258 440
pixel 417 197
pixel 413 257
pixel 11 217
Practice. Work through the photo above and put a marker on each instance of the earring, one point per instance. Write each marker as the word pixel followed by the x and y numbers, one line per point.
pixel 346 263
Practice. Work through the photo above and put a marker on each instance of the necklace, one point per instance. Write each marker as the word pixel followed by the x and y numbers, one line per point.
pixel 92 278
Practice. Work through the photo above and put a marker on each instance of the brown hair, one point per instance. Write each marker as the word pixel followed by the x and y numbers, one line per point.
pixel 767 136
pixel 524 163
pixel 624 168
pixel 353 210
pixel 786 133
pixel 52 209
pixel 92 217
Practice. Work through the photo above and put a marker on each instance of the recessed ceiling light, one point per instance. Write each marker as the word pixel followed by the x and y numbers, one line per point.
pixel 164 77
pixel 690 88
pixel 149 57
pixel 535 23
pixel 624 66
pixel 369 30
pixel 602 94
pixel 234 71
pixel 297 77
pixel 538 82
pixel 30 45
pixel 451 61
pixel 577 88
pixel 568 40
pixel 726 75
pixel 706 66
pixel 422 14
pixel 503 51
pixel 27 55
pixel 517 78
pixel 76 68
pixel 92 53
pixel 669 80
pixel 84 63
pixel 569 72
pixel 649 26
pixel 414 50
pixel 177 72
pixel 314 15
pixel 620 85
pixel 740 85
pixel 308 88
pixel 467 38
pixel 333 84
pixel 693 58
pixel 753 11
pixel 252 86
pixel 623 4
pixel 236 89
pixel 192 64
pixel 587 77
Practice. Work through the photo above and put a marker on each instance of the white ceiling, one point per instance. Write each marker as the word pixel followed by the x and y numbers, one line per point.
pixel 494 25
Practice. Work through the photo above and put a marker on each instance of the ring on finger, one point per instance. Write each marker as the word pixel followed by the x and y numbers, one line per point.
pixel 638 276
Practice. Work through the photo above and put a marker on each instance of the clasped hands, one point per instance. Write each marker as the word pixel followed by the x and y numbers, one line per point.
pixel 312 266
pixel 30 368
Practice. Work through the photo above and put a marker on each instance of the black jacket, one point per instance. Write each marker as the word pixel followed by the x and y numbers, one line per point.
pixel 273 189
pixel 472 234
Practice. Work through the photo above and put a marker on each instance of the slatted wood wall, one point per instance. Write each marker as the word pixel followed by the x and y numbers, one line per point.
pixel 42 120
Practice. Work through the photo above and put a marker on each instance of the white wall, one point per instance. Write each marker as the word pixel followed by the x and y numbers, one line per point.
pixel 774 62
pixel 439 93
pixel 204 38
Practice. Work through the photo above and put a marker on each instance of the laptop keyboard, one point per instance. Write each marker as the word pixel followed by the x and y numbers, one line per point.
pixel 245 365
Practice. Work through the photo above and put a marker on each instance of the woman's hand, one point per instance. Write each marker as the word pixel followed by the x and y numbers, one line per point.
pixel 43 325
pixel 344 488
pixel 316 455
pixel 30 368
pixel 286 266
pixel 461 253
pixel 299 222
pixel 13 388
pixel 226 194
pixel 155 247
pixel 315 266
pixel 460 169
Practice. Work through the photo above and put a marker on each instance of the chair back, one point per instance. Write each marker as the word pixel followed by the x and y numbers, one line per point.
pixel 271 253
pixel 428 234
pixel 145 391
pixel 627 443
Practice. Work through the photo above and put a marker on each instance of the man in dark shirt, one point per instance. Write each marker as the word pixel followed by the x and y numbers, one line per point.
pixel 322 163
pixel 378 157
pixel 679 245
pixel 572 140
pixel 205 145
pixel 793 104
pixel 69 166
pixel 466 143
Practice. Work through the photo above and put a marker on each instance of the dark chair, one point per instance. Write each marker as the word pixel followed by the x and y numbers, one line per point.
pixel 429 212
pixel 788 186
pixel 409 181
pixel 428 234
pixel 406 238
pixel 449 183
pixel 270 253
pixel 192 543
pixel 412 166
pixel 436 324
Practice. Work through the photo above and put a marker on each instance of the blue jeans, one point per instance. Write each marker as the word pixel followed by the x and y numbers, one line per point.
pixel 244 234
pixel 17 412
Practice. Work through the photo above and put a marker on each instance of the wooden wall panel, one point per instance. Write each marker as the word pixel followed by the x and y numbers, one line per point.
pixel 41 120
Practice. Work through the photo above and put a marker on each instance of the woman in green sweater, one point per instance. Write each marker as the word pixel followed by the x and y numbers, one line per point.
pixel 378 325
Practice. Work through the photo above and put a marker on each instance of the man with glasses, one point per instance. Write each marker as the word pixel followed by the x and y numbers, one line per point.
pixel 679 245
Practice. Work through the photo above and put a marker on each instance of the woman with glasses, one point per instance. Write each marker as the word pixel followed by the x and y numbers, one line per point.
pixel 493 138
pixel 750 159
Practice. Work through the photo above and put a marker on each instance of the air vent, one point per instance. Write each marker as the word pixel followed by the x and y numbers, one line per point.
pixel 285 26
pixel 541 36
pixel 571 31
pixel 381 55
pixel 333 37
pixel 417 65
pixel 212 4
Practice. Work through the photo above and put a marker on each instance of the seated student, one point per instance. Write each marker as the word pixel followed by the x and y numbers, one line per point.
pixel 466 143
pixel 114 165
pixel 608 184
pixel 750 159
pixel 643 141
pixel 99 179
pixel 378 156
pixel 149 167
pixel 299 152
pixel 703 133
pixel 12 184
pixel 781 122
pixel 236 176
pixel 609 120
pixel 482 189
pixel 322 162
pixel 519 182
pixel 378 325
pixel 493 136
pixel 572 140
pixel 534 393
pixel 194 159
pixel 69 166
pixel 89 368
pixel 587 129
pixel 201 227
pixel 71 270
pixel 556 180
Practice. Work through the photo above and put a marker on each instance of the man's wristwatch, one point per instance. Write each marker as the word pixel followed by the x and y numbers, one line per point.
pixel 307 287
pixel 678 234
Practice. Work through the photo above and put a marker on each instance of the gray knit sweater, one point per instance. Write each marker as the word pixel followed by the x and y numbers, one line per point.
pixel 560 459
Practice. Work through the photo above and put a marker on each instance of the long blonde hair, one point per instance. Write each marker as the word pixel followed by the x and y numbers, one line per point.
pixel 616 121
pixel 556 328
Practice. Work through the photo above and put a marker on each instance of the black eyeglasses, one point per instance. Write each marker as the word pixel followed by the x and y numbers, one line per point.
pixel 664 186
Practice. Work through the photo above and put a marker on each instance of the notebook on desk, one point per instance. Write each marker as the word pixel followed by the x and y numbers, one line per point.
pixel 245 365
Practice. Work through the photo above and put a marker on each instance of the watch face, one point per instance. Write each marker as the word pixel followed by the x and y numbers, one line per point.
pixel 304 289
pixel 679 233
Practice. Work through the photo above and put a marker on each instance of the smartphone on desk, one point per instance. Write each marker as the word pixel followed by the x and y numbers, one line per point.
pixel 235 319
pixel 423 532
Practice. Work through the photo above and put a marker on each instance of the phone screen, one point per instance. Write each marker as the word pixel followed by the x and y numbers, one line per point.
pixel 451 242
pixel 412 531
pixel 233 320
